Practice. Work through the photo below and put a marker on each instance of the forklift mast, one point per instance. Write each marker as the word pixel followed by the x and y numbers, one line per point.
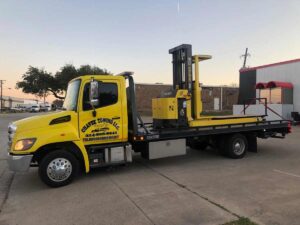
pixel 184 104
pixel 182 67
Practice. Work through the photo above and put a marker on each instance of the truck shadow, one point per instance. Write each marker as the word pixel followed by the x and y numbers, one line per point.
pixel 208 156
pixel 197 159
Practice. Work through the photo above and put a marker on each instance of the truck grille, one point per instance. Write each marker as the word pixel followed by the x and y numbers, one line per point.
pixel 10 138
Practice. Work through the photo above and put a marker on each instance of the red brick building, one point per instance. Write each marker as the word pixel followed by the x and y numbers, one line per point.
pixel 211 97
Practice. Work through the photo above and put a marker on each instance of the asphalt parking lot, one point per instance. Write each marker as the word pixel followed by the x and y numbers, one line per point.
pixel 198 188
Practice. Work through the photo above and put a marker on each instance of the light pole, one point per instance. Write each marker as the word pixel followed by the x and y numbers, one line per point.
pixel 8 98
pixel 10 101
pixel 1 96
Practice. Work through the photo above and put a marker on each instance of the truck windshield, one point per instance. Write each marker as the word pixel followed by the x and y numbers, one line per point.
pixel 70 102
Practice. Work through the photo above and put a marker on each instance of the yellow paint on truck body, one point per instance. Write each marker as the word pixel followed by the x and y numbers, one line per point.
pixel 110 124
pixel 222 120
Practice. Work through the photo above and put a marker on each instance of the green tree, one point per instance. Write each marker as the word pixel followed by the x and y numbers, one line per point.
pixel 69 72
pixel 91 70
pixel 64 75
pixel 38 82
pixel 41 83
pixel 58 103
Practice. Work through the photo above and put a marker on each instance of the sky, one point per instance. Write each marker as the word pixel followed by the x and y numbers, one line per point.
pixel 136 36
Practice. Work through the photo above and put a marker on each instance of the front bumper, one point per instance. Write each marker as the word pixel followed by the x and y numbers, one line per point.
pixel 19 163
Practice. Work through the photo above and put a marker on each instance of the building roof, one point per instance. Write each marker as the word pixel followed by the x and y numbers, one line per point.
pixel 6 98
pixel 261 85
pixel 270 65
pixel 273 84
pixel 281 84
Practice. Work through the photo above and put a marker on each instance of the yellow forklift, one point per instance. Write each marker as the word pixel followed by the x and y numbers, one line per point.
pixel 182 107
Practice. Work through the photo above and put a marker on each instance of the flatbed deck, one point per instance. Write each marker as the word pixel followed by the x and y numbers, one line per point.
pixel 229 117
pixel 263 129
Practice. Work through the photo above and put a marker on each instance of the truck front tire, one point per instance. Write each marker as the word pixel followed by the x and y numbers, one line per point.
pixel 58 168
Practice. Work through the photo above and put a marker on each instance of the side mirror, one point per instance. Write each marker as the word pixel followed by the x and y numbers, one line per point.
pixel 94 93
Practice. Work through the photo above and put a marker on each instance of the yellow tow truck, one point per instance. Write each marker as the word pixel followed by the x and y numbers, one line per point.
pixel 100 126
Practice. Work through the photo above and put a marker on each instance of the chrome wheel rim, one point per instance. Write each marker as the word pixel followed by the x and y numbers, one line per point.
pixel 239 146
pixel 59 169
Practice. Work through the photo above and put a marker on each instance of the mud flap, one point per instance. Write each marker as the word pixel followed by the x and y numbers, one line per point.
pixel 252 142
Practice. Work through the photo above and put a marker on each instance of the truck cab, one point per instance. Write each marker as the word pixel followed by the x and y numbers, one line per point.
pixel 91 131
pixel 105 120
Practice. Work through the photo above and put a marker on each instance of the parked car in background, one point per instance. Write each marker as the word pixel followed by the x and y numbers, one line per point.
pixel 35 108
pixel 22 107
pixel 45 107
pixel 49 108
pixel 16 109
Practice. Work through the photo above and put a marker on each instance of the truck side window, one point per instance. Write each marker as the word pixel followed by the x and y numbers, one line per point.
pixel 108 95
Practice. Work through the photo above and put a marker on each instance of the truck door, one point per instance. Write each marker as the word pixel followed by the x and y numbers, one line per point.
pixel 101 124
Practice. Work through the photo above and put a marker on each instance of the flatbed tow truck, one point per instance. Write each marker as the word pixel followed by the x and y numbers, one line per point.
pixel 100 125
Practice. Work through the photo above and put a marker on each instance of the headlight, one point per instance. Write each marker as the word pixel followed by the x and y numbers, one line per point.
pixel 12 128
pixel 24 144
pixel 11 133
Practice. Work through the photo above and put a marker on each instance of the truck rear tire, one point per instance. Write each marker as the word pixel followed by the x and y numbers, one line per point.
pixel 236 146
pixel 58 168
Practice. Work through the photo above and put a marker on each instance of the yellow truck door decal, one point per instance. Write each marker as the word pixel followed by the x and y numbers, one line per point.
pixel 101 129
